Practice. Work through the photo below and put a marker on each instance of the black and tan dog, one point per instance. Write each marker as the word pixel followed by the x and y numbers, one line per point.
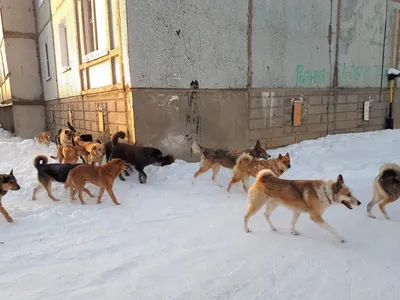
pixel 7 182
pixel 386 188
pixel 47 173
pixel 138 156
pixel 215 158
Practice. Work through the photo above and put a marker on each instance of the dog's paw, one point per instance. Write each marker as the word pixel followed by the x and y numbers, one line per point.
pixel 247 230
pixel 273 228
pixel 10 220
pixel 295 232
pixel 387 217
pixel 33 198
pixel 343 241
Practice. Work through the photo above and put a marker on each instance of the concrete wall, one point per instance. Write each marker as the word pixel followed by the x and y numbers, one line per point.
pixel 50 89
pixel 299 43
pixel 176 42
pixel 20 41
pixel 18 16
pixel 170 119
pixel 43 14
pixel 24 72
pixel 29 120
pixel 327 53
pixel 287 35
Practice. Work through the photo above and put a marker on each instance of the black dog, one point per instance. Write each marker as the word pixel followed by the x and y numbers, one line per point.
pixel 51 172
pixel 108 148
pixel 138 156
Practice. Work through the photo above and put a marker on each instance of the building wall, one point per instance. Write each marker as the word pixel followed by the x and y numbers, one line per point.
pixel 91 90
pixel 176 42
pixel 299 44
pixel 22 59
pixel 85 117
pixel 68 80
pixel 258 57
pixel 50 88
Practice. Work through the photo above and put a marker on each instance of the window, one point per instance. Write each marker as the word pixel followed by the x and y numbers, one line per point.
pixel 89 19
pixel 46 52
pixel 63 38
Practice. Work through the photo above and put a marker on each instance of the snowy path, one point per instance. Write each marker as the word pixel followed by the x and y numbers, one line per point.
pixel 170 239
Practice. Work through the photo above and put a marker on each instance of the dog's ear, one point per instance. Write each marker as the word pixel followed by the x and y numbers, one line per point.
pixel 339 183
pixel 12 172
pixel 280 156
pixel 287 154
pixel 258 145
pixel 98 141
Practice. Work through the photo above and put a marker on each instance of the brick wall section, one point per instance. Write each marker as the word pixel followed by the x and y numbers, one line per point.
pixel 85 113
pixel 270 115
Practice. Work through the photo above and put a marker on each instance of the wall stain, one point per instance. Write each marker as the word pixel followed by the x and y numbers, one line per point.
pixel 335 81
pixel 192 124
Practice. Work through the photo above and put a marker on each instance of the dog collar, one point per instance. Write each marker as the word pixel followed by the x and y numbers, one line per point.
pixel 327 197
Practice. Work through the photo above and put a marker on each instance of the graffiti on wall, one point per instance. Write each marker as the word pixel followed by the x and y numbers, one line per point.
pixel 348 73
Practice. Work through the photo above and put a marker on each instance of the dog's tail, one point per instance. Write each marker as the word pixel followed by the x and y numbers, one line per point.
pixel 196 148
pixel 67 183
pixel 71 127
pixel 53 157
pixel 244 159
pixel 389 167
pixel 264 173
pixel 40 160
pixel 167 160
pixel 118 135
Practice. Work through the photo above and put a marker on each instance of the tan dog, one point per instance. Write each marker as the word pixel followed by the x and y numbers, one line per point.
pixel 95 152
pixel 247 166
pixel 43 138
pixel 69 154
pixel 102 176
pixel 386 188
pixel 300 196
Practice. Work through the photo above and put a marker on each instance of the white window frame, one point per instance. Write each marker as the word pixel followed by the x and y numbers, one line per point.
pixel 63 41
pixel 47 60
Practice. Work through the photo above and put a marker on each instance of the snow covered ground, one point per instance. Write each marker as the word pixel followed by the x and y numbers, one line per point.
pixel 171 239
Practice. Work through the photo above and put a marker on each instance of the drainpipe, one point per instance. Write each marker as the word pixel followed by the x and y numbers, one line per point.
pixel 392 72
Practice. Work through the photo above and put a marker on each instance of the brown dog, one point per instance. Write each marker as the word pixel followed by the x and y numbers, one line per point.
pixel 95 152
pixel 300 196
pixel 247 166
pixel 102 176
pixel 386 188
pixel 43 138
pixel 215 158
pixel 7 182
pixel 69 154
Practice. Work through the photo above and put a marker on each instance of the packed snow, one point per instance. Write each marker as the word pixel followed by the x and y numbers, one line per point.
pixel 175 239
